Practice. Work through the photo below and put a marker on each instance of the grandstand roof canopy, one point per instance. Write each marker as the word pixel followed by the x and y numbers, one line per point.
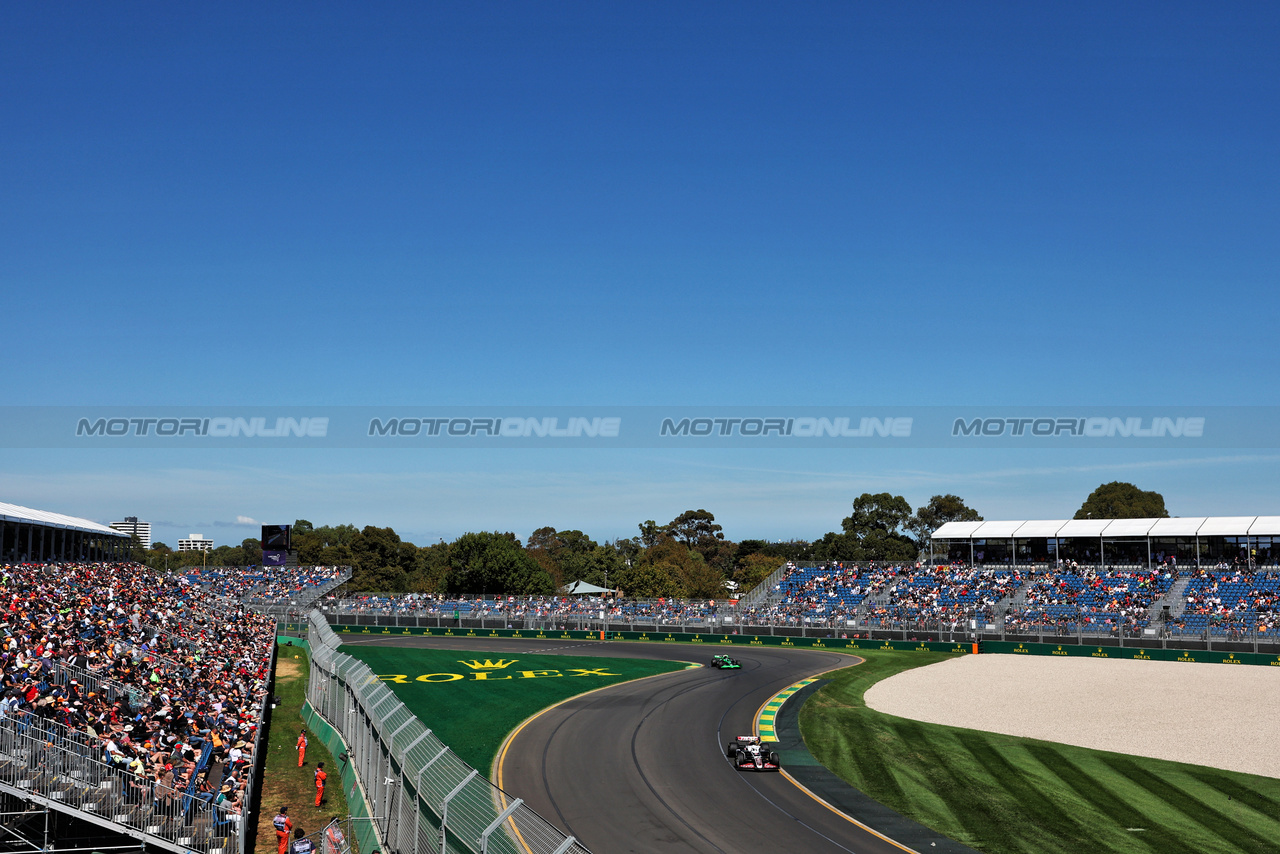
pixel 996 529
pixel 1041 528
pixel 1266 526
pixel 27 516
pixel 1183 527
pixel 1084 527
pixel 1130 527
pixel 960 530
pixel 1205 526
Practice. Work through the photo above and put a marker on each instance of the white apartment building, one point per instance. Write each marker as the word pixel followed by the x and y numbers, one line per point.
pixel 133 528
pixel 195 543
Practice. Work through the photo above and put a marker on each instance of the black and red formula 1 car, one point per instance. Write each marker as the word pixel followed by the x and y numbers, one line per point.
pixel 749 753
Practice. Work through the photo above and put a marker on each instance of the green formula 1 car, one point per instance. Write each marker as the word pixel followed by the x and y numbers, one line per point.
pixel 724 662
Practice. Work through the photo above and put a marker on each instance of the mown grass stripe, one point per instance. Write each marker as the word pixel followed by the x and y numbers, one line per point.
pixel 1195 809
pixel 951 785
pixel 1046 815
pixel 855 742
pixel 1236 792
pixel 1092 790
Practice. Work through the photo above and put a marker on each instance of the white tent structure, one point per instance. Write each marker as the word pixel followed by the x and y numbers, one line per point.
pixel 582 588
pixel 45 536
pixel 1252 541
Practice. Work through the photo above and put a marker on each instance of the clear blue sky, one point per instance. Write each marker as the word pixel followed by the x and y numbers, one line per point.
pixel 634 204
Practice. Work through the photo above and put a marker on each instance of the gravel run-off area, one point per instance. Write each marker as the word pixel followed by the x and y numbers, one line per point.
pixel 1217 715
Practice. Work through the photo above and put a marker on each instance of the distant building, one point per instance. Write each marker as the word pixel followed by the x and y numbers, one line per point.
pixel 195 543
pixel 134 528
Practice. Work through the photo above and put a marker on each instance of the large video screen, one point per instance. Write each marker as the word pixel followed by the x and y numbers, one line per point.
pixel 277 537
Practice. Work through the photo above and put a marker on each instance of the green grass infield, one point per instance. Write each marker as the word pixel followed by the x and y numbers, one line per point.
pixel 472 700
pixel 1006 795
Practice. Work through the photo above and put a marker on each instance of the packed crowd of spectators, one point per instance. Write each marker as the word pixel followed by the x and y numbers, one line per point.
pixel 1230 601
pixel 830 594
pixel 528 610
pixel 1083 598
pixel 1063 600
pixel 141 669
pixel 264 585
pixel 947 594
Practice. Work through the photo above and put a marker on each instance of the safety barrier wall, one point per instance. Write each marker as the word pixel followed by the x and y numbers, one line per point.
pixel 423 798
pixel 362 827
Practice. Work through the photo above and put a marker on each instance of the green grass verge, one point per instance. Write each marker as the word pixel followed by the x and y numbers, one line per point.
pixel 1006 795
pixel 283 781
pixel 473 710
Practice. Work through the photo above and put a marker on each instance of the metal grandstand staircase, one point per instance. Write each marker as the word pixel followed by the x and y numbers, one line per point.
pixel 1175 599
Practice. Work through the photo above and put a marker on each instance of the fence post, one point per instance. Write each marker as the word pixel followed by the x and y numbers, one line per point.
pixel 503 816
pixel 418 786
pixel 444 807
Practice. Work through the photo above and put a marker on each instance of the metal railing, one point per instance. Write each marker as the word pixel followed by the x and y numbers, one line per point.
pixel 424 798
pixel 57 767
pixel 60 767
pixel 61 674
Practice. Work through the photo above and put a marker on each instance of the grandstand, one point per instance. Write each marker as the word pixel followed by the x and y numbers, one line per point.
pixel 1227 603
pixel 268 588
pixel 1166 605
pixel 47 537
pixel 131 708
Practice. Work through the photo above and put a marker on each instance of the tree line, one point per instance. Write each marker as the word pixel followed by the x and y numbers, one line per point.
pixel 688 557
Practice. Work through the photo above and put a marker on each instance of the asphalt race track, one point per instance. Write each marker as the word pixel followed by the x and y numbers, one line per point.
pixel 640 767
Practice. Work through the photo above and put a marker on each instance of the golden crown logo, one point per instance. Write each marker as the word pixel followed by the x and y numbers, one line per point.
pixel 489 665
